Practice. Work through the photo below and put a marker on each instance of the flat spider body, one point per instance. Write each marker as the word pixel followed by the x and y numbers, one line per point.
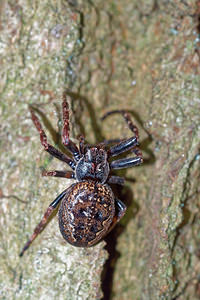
pixel 88 208
pixel 86 213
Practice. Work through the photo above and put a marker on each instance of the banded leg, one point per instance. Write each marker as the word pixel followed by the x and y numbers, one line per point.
pixel 55 173
pixel 128 162
pixel 127 144
pixel 127 118
pixel 112 141
pixel 123 146
pixel 71 146
pixel 82 144
pixel 116 180
pixel 39 228
pixel 120 210
pixel 49 148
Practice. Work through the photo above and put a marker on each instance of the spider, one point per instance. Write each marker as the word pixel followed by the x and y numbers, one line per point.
pixel 88 208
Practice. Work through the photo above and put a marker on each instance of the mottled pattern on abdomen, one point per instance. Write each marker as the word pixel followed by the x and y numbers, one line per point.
pixel 86 213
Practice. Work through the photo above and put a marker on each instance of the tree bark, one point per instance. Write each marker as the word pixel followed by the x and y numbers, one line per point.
pixel 138 55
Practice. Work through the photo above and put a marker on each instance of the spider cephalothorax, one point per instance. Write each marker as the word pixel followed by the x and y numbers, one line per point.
pixel 93 165
pixel 88 208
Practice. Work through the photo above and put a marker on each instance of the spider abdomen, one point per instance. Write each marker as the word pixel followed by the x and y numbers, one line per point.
pixel 86 213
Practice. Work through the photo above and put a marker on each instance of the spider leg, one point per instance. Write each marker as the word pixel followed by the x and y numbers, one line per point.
pixel 71 146
pixel 116 180
pixel 82 144
pixel 112 141
pixel 120 210
pixel 49 148
pixel 123 146
pixel 127 144
pixel 47 215
pixel 127 118
pixel 128 162
pixel 55 173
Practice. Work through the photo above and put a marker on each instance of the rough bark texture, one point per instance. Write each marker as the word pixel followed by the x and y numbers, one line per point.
pixel 139 55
